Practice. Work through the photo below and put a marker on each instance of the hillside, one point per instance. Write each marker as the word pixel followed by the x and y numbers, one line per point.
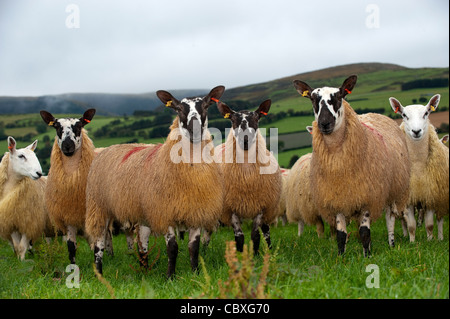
pixel 290 113
pixel 372 77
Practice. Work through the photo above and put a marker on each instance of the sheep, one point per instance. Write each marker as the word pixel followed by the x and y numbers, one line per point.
pixel 70 160
pixel 161 186
pixel 429 158
pixel 282 203
pixel 23 217
pixel 252 175
pixel 299 205
pixel 419 208
pixel 359 164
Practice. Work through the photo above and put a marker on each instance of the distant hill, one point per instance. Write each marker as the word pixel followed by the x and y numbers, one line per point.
pixel 372 77
pixel 105 103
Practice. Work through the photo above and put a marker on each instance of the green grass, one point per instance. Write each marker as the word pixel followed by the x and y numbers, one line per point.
pixel 301 267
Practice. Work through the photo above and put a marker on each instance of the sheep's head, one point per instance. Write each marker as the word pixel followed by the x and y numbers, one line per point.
pixel 192 111
pixel 415 117
pixel 245 123
pixel 327 103
pixel 23 161
pixel 68 130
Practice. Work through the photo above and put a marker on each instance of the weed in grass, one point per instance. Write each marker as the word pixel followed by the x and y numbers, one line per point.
pixel 50 257
pixel 243 281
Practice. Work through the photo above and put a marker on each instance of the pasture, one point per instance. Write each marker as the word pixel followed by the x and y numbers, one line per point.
pixel 298 267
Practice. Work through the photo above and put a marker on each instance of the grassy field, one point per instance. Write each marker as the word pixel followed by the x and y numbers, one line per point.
pixel 298 267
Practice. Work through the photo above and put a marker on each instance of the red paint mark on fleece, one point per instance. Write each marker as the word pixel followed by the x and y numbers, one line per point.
pixel 134 150
pixel 153 152
pixel 375 132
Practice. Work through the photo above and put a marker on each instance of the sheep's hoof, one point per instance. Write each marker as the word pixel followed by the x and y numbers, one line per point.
pixel 341 238
pixel 99 268
pixel 364 233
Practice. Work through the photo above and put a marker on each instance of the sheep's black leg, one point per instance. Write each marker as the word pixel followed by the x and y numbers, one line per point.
pixel 194 245
pixel 255 236
pixel 341 233
pixel 266 232
pixel 172 252
pixel 99 248
pixel 72 243
pixel 238 234
pixel 364 233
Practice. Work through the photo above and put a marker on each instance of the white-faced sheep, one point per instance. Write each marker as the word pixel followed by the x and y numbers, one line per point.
pixel 23 217
pixel 252 175
pixel 359 164
pixel 166 186
pixel 70 160
pixel 429 158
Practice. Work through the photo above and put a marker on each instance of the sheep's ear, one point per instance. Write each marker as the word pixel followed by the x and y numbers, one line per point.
pixel 444 139
pixel 304 89
pixel 168 100
pixel 309 129
pixel 48 118
pixel 214 96
pixel 348 85
pixel 32 146
pixel 87 116
pixel 264 108
pixel 396 105
pixel 434 102
pixel 224 109
pixel 11 144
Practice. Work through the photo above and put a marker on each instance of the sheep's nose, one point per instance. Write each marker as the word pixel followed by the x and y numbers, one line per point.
pixel 39 174
pixel 417 133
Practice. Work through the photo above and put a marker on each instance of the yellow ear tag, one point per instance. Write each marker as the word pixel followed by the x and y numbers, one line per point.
pixel 50 123
pixel 305 93
pixel 432 108
pixel 169 103
pixel 226 116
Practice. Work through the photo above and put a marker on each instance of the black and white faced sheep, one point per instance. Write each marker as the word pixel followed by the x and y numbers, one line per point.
pixel 252 175
pixel 429 185
pixel 70 160
pixel 175 184
pixel 359 164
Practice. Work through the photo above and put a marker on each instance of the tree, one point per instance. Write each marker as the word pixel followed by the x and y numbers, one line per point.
pixel 293 160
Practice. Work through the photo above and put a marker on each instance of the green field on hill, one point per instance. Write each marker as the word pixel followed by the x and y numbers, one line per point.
pixel 372 92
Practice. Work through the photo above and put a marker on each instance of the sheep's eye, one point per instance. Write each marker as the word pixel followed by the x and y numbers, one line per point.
pixel 425 115
pixel 22 156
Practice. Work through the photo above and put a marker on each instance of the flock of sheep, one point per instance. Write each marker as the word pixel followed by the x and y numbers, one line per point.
pixel 360 166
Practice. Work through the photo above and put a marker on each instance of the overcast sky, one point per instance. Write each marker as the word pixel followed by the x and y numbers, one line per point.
pixel 142 46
